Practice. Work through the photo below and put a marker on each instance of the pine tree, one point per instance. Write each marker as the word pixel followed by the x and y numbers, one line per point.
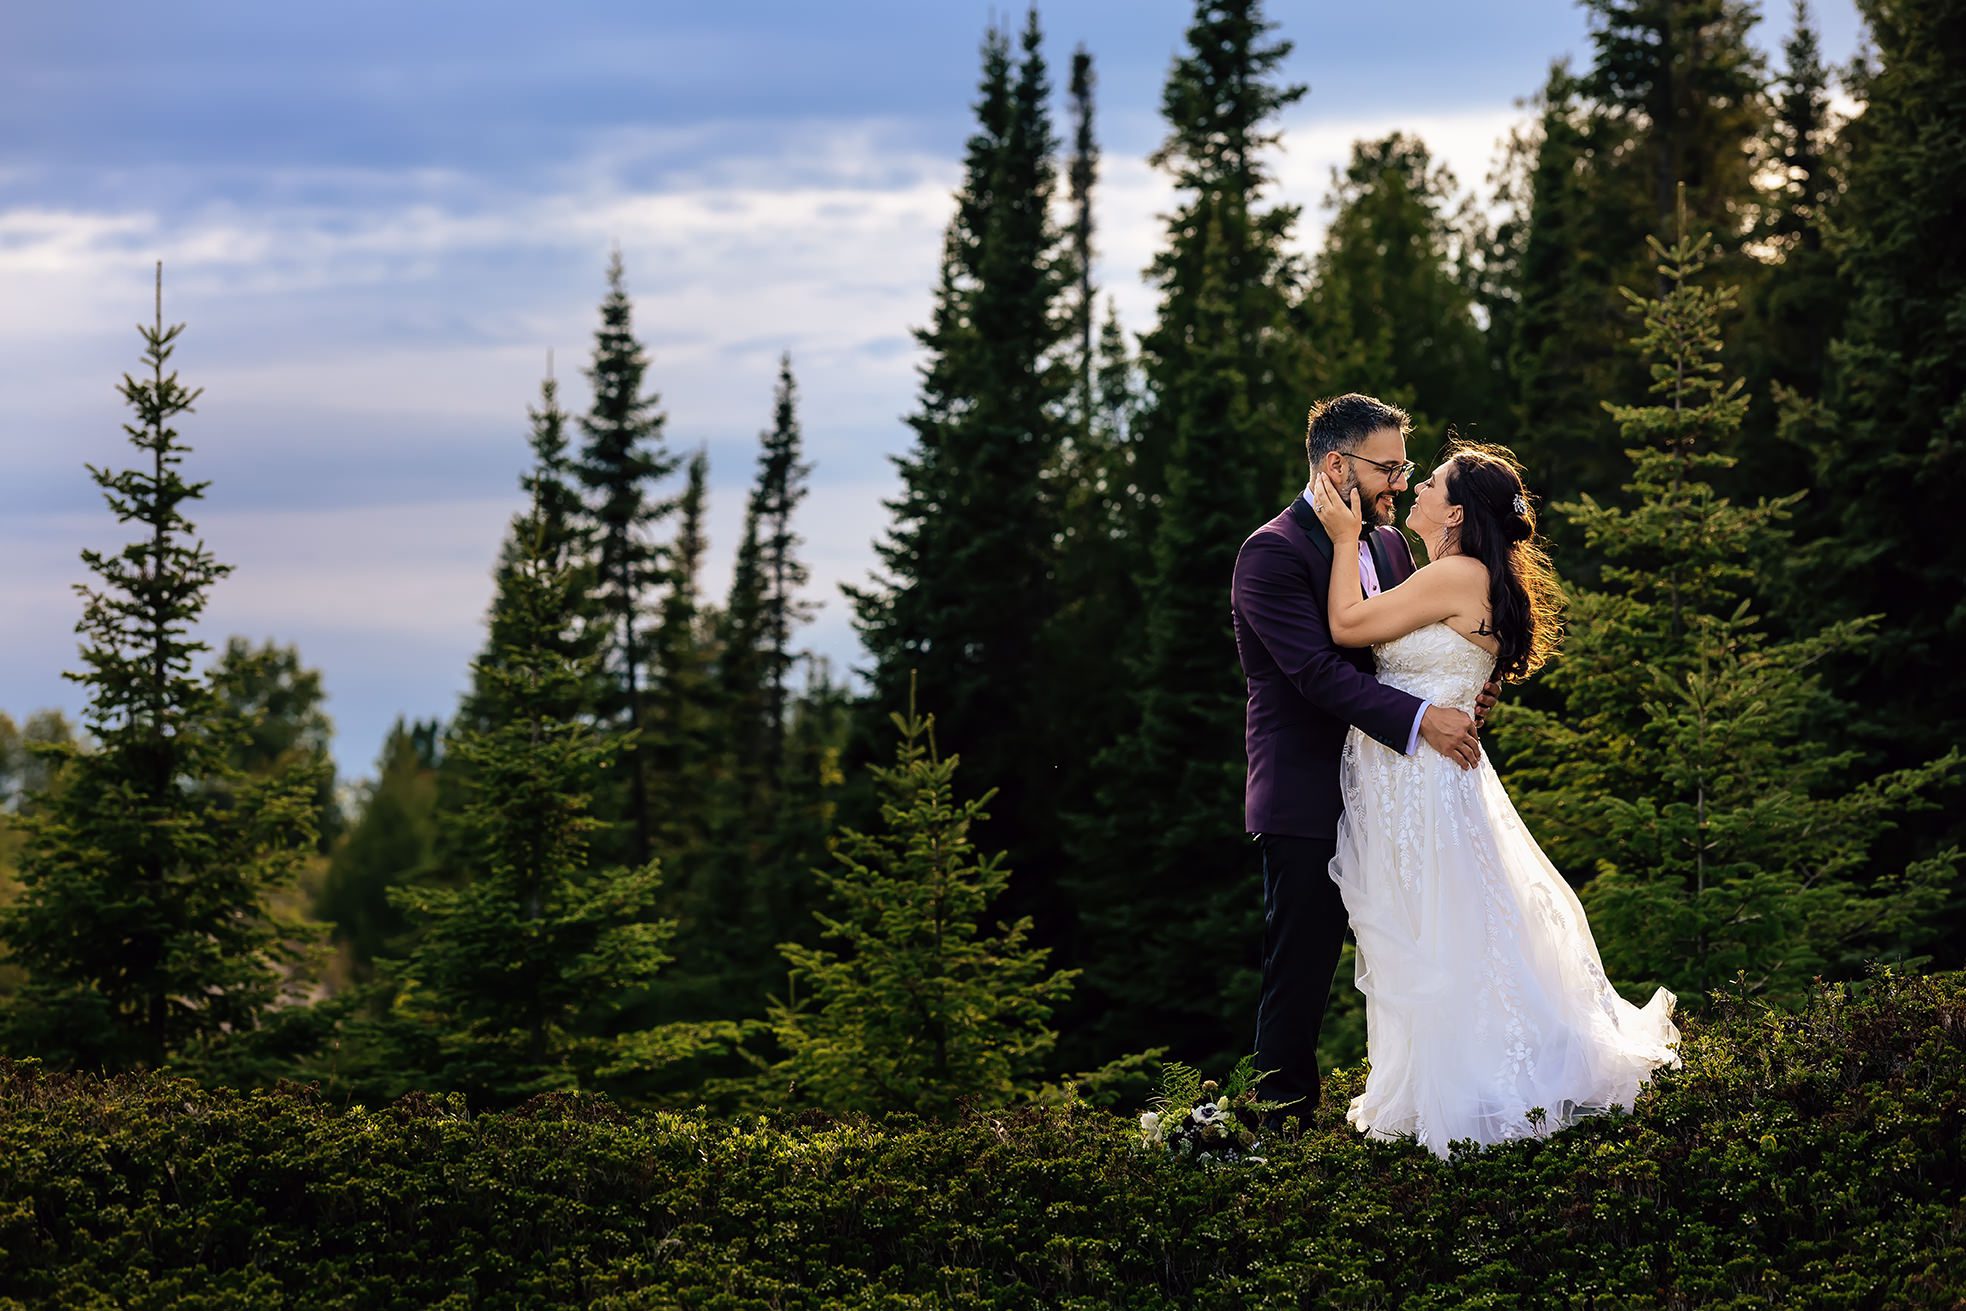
pixel 1389 310
pixel 756 854
pixel 1692 770
pixel 1082 173
pixel 682 723
pixel 742 663
pixel 1226 395
pixel 510 986
pixel 1793 303
pixel 1681 84
pixel 1886 438
pixel 142 920
pixel 620 465
pixel 967 592
pixel 552 491
pixel 782 475
pixel 1674 94
pixel 1563 354
pixel 1220 103
pixel 923 1006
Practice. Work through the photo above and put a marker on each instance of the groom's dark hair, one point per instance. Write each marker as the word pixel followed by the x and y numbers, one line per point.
pixel 1340 423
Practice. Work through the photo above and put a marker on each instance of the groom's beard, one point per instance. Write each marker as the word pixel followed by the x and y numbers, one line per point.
pixel 1374 512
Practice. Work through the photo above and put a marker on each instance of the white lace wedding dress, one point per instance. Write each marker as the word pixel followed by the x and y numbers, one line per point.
pixel 1484 993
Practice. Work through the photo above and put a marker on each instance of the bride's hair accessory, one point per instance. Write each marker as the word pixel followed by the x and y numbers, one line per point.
pixel 1519 505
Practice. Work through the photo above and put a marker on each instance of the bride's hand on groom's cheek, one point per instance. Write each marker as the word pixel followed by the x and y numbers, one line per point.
pixel 1341 518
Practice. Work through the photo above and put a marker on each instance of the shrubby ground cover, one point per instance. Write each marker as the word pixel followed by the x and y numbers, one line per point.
pixel 1808 1158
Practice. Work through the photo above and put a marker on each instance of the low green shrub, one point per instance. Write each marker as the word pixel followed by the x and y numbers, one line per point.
pixel 1806 1159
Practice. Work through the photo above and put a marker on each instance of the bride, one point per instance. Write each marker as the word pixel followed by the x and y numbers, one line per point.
pixel 1485 997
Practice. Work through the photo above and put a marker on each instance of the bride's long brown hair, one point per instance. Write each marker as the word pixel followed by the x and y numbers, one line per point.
pixel 1498 528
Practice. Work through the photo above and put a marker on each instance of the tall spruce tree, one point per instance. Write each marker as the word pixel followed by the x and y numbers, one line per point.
pixel 1562 329
pixel 568 539
pixel 1792 300
pixel 1681 86
pixel 782 475
pixel 1082 174
pixel 1886 440
pixel 756 853
pixel 922 1007
pixel 967 592
pixel 1389 310
pixel 1692 771
pixel 511 986
pixel 742 663
pixel 555 510
pixel 620 466
pixel 1674 93
pixel 1167 936
pixel 142 920
pixel 681 725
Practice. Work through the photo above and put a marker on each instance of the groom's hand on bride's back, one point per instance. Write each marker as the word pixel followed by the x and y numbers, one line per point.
pixel 1491 691
pixel 1452 733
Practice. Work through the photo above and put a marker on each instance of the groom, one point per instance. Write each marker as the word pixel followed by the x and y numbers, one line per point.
pixel 1304 692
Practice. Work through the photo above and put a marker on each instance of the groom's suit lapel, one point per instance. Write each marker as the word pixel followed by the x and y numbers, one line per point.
pixel 1307 519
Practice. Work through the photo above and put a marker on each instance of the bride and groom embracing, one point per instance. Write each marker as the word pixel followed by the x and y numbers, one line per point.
pixel 1372 803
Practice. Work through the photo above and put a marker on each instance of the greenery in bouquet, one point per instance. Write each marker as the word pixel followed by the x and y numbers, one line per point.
pixel 1199 1120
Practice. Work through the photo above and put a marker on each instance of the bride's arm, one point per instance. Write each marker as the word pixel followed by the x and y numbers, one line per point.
pixel 1432 593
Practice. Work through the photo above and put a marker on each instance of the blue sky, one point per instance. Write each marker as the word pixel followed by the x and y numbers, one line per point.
pixel 378 219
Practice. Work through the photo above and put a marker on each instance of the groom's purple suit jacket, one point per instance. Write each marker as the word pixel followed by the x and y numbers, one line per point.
pixel 1303 690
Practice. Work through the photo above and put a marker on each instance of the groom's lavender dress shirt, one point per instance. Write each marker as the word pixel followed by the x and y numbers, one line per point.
pixel 1304 690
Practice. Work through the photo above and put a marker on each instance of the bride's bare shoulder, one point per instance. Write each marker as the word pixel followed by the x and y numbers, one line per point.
pixel 1458 568
pixel 1460 576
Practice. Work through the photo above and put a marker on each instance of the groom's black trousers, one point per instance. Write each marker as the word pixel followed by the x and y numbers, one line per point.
pixel 1303 932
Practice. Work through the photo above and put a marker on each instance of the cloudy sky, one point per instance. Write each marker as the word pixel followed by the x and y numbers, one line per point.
pixel 377 219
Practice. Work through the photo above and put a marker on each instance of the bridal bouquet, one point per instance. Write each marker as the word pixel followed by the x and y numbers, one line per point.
pixel 1199 1120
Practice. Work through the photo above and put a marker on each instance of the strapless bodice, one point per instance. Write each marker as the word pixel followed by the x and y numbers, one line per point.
pixel 1436 664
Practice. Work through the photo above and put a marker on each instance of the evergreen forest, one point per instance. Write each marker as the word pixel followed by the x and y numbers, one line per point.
pixel 1715 300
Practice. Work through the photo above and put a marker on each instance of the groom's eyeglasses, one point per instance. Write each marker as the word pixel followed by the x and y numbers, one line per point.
pixel 1393 472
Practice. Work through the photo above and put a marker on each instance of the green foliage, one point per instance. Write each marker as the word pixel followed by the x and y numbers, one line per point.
pixel 278 700
pixel 1806 1158
pixel 392 843
pixel 620 465
pixel 511 983
pixel 30 753
pixel 566 541
pixel 922 1008
pixel 1389 308
pixel 966 591
pixel 1886 440
pixel 1692 766
pixel 1793 303
pixel 1673 95
pixel 1167 927
pixel 681 727
pixel 766 604
pixel 141 920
